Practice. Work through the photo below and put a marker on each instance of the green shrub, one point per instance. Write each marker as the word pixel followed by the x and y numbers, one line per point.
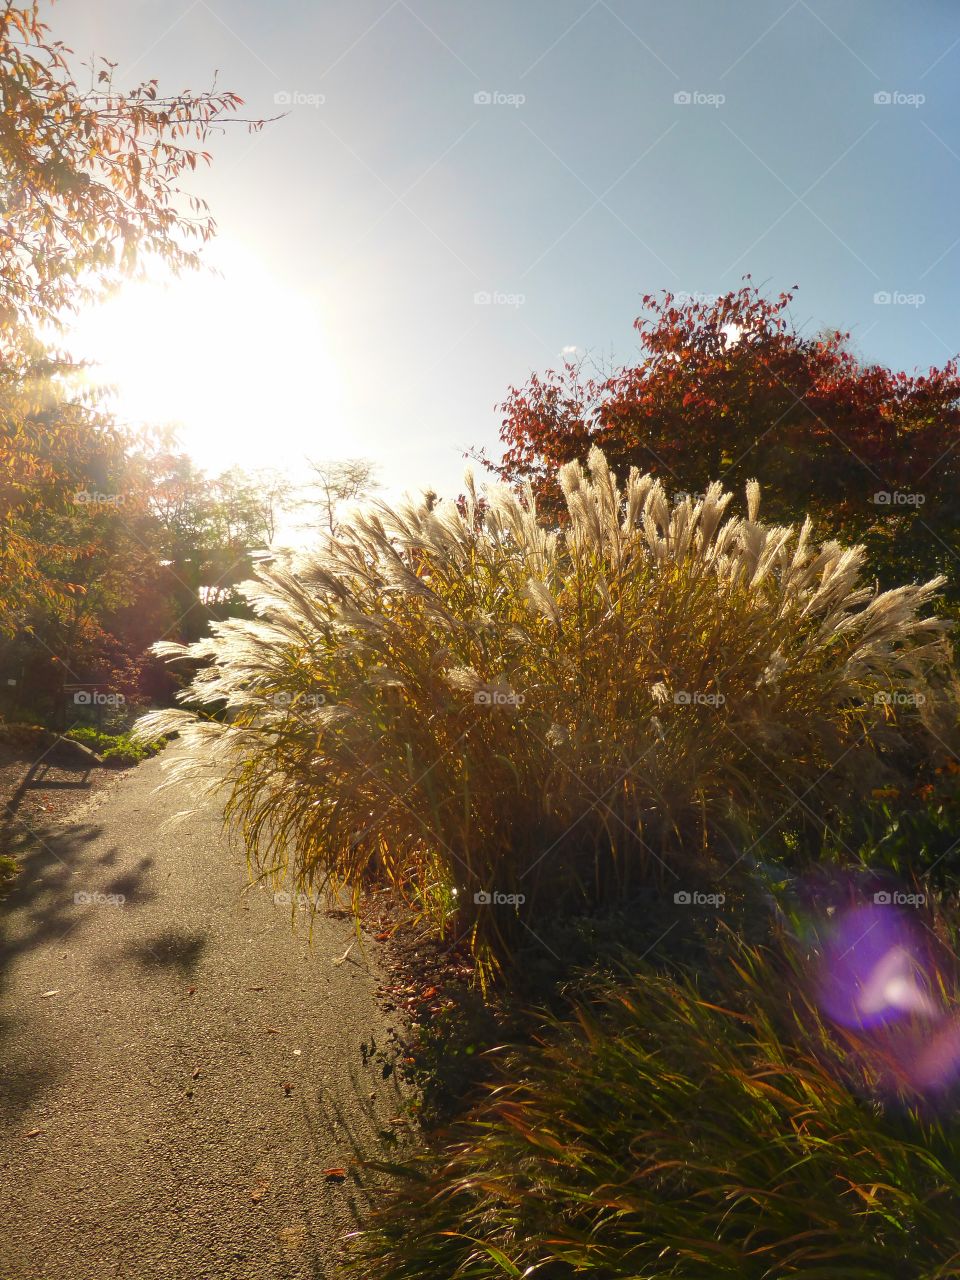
pixel 87 737
pixel 9 869
pixel 470 702
pixel 120 757
pixel 116 749
pixel 662 1133
pixel 911 832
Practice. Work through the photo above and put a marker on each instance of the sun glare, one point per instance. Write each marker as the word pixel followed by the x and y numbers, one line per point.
pixel 236 362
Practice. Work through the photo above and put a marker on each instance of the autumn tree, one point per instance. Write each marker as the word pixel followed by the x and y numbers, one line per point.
pixel 90 190
pixel 334 483
pixel 729 389
pixel 55 446
pixel 89 175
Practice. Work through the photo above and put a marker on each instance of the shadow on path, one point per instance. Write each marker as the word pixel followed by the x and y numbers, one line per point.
pixel 171 948
pixel 45 907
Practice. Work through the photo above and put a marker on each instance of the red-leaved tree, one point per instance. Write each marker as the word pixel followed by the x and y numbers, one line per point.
pixel 729 389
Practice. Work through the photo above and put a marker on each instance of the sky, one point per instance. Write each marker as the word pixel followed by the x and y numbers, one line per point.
pixel 457 193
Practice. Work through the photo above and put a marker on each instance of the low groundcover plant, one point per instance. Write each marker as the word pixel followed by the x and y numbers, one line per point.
pixel 661 1132
pixel 509 719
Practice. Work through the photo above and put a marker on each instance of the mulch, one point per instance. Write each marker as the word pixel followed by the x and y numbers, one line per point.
pixel 43 789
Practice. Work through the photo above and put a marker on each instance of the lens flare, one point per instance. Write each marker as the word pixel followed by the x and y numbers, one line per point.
pixel 879 977
pixel 872 970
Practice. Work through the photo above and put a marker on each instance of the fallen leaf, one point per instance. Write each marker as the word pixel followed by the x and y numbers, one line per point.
pixel 334 1175
pixel 191 990
pixel 196 1073
pixel 291 1237
pixel 297 1053
pixel 272 1031
pixel 257 1194
pixel 256 988
pixel 47 994
pixel 32 1133
pixel 429 993
pixel 381 937
pixel 288 1089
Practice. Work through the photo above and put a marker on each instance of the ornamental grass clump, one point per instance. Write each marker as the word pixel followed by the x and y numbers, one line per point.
pixel 509 720
pixel 664 1132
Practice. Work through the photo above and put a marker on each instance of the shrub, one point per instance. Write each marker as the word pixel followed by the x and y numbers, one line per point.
pixel 660 1133
pixel 123 755
pixel 87 737
pixel 731 385
pixel 116 750
pixel 910 831
pixel 9 868
pixel 473 704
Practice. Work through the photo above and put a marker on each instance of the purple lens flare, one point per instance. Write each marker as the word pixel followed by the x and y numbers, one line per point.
pixel 873 969
pixel 878 976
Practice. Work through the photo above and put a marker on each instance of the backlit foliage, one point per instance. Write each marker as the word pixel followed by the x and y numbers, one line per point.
pixel 468 701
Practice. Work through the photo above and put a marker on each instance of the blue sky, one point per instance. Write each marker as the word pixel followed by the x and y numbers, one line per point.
pixel 388 198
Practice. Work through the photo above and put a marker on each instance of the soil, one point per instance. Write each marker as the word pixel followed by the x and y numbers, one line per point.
pixel 40 790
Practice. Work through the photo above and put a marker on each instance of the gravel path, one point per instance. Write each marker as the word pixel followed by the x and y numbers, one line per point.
pixel 192 1065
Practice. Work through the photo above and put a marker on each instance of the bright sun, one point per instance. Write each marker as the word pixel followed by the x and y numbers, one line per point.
pixel 238 363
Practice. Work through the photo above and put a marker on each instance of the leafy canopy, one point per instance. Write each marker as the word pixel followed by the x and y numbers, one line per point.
pixel 730 389
pixel 88 176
